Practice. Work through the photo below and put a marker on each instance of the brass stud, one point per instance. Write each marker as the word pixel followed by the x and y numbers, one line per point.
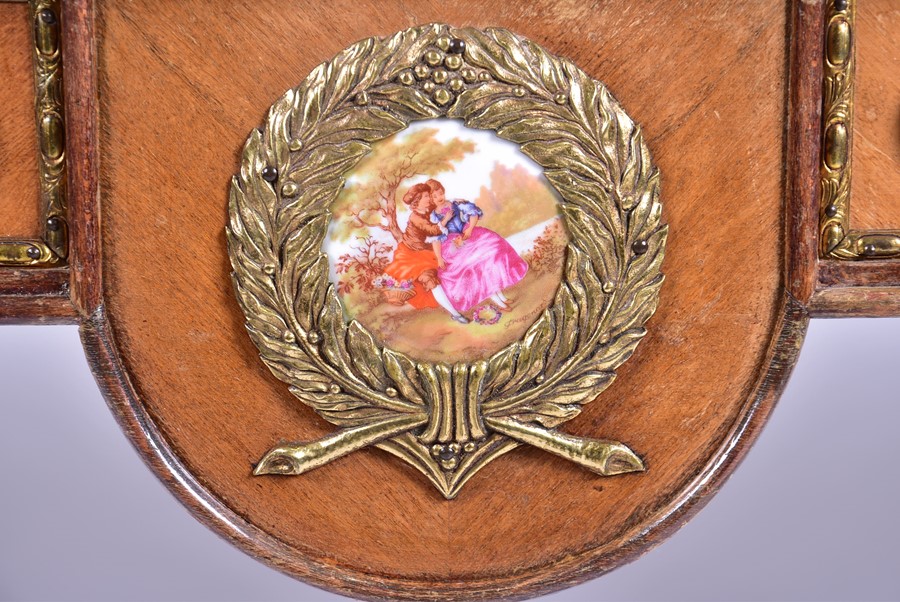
pixel 334 389
pixel 433 58
pixel 428 87
pixel 539 378
pixel 313 337
pixel 295 144
pixel 436 450
pixel 836 145
pixel 46 33
pixel 839 44
pixel 406 78
pixel 519 91
pixel 443 43
pixel 469 74
pixel 421 71
pixel 453 62
pixel 288 336
pixel 52 136
pixel 470 447
pixel 457 85
pixel 391 392
pixel 560 98
pixel 442 96
pixel 608 287
pixel 289 189
pixel 484 76
pixel 440 76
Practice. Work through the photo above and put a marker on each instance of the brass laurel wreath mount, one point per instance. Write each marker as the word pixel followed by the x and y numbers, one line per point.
pixel 447 420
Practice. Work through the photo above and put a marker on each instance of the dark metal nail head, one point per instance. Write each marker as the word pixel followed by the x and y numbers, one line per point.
pixel 269 174
pixel 456 46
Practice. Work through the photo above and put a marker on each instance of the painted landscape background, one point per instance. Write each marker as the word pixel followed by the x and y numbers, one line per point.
pixel 474 165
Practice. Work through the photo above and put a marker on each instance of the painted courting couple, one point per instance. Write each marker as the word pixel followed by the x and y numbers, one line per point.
pixel 452 262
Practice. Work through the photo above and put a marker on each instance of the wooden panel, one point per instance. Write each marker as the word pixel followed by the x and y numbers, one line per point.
pixel 875 202
pixel 19 179
pixel 181 87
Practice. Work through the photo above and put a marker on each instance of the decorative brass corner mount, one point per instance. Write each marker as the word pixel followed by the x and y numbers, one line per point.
pixel 52 247
pixel 838 240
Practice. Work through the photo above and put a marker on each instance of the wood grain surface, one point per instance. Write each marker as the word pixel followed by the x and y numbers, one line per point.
pixel 180 89
pixel 875 201
pixel 803 136
pixel 79 55
pixel 19 180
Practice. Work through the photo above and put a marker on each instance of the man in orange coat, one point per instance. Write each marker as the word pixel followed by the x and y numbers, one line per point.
pixel 415 259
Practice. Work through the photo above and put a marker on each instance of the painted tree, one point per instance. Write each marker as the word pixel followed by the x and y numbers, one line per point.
pixel 369 201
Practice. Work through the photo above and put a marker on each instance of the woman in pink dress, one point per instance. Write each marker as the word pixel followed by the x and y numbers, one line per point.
pixel 478 263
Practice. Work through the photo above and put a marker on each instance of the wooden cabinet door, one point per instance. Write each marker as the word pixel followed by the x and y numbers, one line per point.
pixel 159 100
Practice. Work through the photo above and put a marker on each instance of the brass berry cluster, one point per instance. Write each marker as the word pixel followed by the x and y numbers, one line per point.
pixel 442 72
pixel 449 453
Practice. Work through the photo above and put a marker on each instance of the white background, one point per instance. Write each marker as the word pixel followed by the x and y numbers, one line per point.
pixel 811 514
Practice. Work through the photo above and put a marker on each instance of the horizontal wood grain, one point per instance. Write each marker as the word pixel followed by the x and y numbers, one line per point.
pixel 837 273
pixel 856 302
pixel 35 296
pixel 37 309
pixel 18 281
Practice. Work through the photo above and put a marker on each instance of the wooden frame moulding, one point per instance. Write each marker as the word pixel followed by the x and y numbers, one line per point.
pixel 858 273
pixel 34 279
